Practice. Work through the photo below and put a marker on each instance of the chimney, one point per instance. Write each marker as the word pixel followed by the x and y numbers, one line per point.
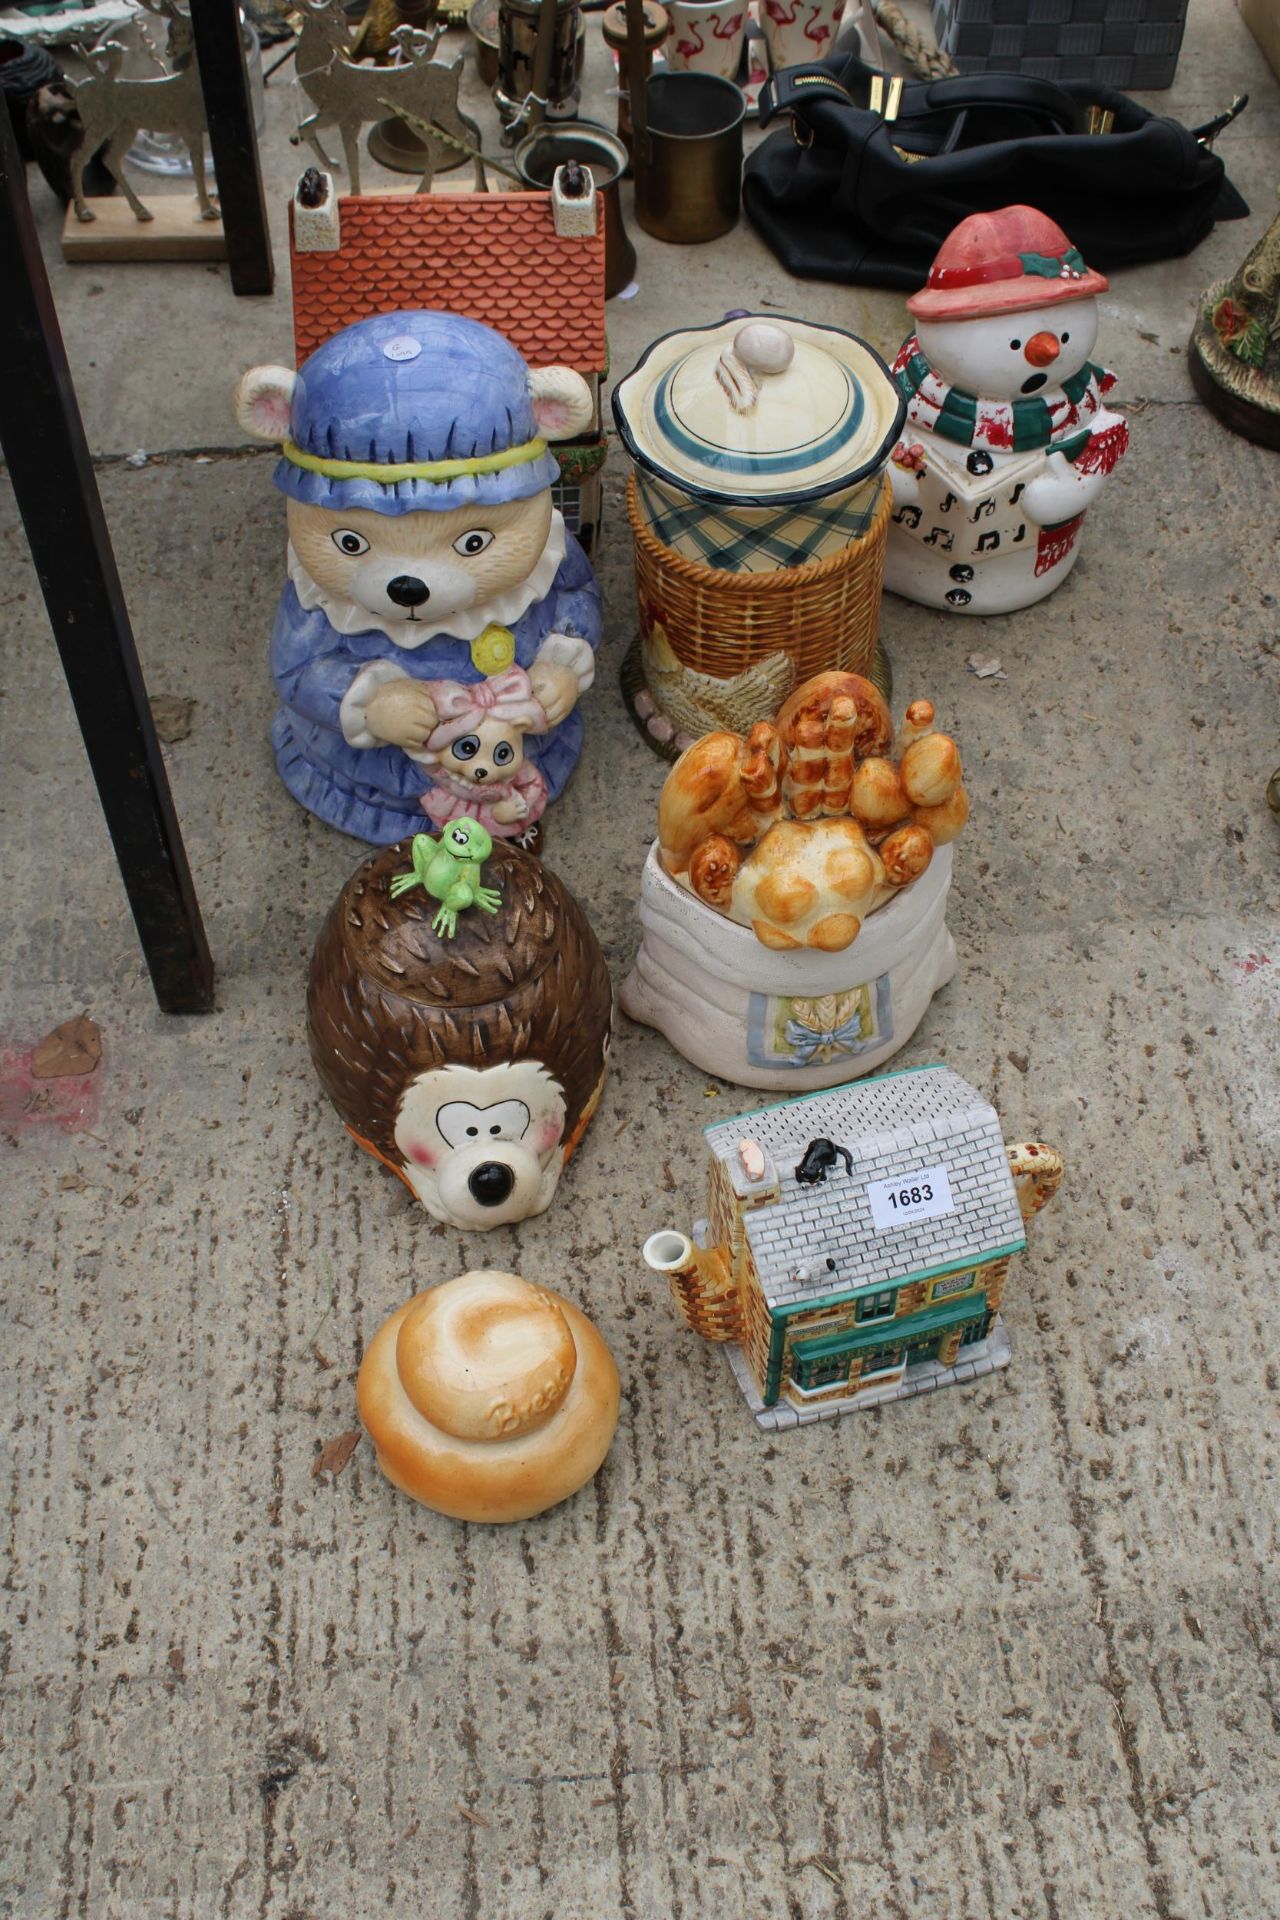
pixel 573 201
pixel 316 226
pixel 753 1175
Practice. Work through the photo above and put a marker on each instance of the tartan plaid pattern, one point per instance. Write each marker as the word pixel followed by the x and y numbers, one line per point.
pixel 790 537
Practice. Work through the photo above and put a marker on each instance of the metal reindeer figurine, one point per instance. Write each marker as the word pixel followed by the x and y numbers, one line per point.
pixel 115 111
pixel 347 96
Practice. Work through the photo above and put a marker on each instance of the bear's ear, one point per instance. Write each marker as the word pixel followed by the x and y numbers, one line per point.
pixel 263 401
pixel 562 402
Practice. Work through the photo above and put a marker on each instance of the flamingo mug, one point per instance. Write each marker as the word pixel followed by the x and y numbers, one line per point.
pixel 706 36
pixel 800 30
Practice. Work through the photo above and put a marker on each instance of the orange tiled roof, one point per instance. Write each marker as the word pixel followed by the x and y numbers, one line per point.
pixel 494 257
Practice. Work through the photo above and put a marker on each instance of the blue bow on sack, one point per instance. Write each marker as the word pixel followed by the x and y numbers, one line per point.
pixel 804 1042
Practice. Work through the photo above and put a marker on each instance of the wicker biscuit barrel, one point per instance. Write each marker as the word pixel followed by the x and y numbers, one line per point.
pixel 825 615
pixel 757 446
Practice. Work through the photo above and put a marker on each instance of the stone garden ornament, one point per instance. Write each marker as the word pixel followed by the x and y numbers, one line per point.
pixel 439 622
pixel 1007 441
pixel 1234 357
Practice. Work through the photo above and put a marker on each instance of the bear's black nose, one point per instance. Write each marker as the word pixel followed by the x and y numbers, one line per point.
pixel 491 1183
pixel 480 773
pixel 406 591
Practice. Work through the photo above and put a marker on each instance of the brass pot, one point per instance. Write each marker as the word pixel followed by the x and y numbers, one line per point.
pixel 691 187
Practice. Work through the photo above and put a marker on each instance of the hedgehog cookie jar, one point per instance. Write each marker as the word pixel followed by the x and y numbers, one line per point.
pixel 424 548
pixel 458 1014
pixel 489 1399
pixel 1007 441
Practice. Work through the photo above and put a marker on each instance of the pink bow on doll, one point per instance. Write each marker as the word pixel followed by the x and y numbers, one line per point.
pixel 506 696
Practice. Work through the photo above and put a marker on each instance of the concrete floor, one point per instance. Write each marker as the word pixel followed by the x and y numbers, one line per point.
pixel 1007 1653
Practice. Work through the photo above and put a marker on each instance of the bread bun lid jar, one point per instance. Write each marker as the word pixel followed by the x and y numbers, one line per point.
pixel 488 1398
pixel 459 1013
pixel 793 906
pixel 759 506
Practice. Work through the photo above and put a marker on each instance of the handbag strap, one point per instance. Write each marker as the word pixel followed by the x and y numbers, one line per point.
pixel 795 89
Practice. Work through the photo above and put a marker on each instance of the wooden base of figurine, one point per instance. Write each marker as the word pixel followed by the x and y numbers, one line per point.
pixel 660 732
pixel 1253 421
pixel 176 232
pixel 788 1022
pixel 983 1357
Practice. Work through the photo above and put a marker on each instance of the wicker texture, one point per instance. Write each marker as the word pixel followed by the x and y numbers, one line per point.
pixel 824 615
pixel 1122 43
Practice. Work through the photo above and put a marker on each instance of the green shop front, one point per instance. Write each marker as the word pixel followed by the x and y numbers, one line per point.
pixel 839 1346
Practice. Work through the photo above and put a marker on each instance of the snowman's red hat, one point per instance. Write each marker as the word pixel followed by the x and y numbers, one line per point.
pixel 1003 262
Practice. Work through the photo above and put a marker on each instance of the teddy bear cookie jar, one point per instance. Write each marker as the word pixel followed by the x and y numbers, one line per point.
pixel 1007 440
pixel 794 903
pixel 489 1399
pixel 431 580
pixel 458 1014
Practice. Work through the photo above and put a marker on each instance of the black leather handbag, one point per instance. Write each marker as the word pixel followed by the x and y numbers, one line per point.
pixel 872 174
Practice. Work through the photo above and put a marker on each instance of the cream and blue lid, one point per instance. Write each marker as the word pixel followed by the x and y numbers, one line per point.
pixel 759 411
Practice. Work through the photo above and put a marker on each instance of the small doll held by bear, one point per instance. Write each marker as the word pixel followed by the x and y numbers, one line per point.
pixel 476 754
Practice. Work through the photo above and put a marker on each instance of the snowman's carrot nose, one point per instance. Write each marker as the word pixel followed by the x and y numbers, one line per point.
pixel 1042 349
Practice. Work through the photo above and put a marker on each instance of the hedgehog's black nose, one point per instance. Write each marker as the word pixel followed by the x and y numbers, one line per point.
pixel 480 773
pixel 407 591
pixel 491 1183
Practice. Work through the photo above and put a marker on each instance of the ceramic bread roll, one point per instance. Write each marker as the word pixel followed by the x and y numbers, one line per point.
pixel 488 1398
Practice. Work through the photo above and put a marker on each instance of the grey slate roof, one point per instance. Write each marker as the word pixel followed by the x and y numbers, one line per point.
pixel 892 1125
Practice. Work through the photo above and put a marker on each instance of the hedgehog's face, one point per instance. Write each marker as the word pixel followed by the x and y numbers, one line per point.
pixel 481 1147
pixel 415 569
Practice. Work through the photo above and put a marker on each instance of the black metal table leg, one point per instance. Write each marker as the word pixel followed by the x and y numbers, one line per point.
pixel 233 144
pixel 44 445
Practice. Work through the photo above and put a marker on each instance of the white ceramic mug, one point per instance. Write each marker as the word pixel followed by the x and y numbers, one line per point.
pixel 706 36
pixel 800 30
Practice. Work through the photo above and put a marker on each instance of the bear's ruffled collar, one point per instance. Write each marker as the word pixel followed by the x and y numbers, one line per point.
pixel 503 610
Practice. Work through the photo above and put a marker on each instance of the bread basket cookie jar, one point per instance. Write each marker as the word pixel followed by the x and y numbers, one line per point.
pixel 760 508
pixel 794 903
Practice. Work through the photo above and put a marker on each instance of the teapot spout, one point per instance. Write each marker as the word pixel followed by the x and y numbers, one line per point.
pixel 701 1284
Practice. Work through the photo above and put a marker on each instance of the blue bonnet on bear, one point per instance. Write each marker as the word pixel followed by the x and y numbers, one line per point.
pixel 445 399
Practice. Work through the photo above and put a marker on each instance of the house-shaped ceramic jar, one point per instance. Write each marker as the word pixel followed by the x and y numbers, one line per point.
pixel 530 265
pixel 858 1243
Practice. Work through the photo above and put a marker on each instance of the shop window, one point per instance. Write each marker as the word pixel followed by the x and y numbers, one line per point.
pixel 825 1370
pixel 881 1360
pixel 875 1306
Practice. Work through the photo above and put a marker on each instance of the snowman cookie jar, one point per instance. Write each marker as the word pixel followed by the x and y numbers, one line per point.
pixel 1007 441
pixel 426 562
